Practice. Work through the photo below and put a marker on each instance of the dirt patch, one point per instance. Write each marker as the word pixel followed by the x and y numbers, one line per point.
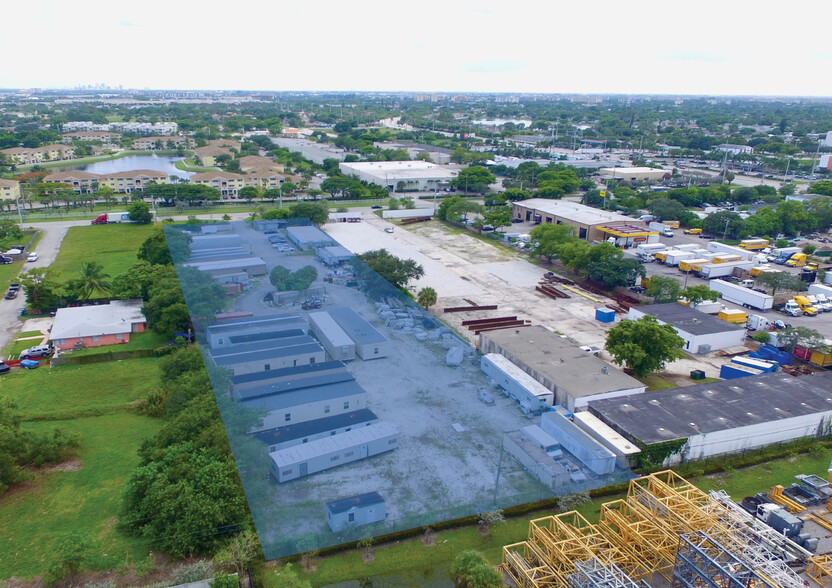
pixel 428 539
pixel 161 571
pixel 70 465
pixel 368 557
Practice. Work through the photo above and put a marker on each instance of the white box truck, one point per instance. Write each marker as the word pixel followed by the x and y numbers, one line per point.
pixel 674 257
pixel 739 295
pixel 758 323
pixel 709 271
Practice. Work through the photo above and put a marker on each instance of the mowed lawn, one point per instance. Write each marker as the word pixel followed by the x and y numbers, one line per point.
pixel 79 390
pixel 91 401
pixel 36 517
pixel 113 246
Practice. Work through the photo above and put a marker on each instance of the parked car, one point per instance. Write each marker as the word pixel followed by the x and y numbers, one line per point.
pixel 388 230
pixel 37 351
pixel 11 294
pixel 4 368
pixel 591 349
pixel 376 206
pixel 517 220
pixel 33 256
pixel 4 259
pixel 30 364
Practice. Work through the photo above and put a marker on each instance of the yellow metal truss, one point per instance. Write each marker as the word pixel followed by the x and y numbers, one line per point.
pixel 647 541
pixel 524 563
pixel 820 569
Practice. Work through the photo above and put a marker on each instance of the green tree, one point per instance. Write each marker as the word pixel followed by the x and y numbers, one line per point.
pixel 497 217
pixel 803 336
pixel 474 179
pixel 238 553
pixel 546 239
pixel 644 345
pixel 139 212
pixel 161 244
pixel 426 297
pixel 824 187
pixel 781 281
pixel 446 205
pixel 72 553
pixel 725 223
pixel 794 217
pixel 667 209
pixel 514 194
pixel 10 229
pixel 283 279
pixel 471 570
pixel 698 294
pixel 614 271
pixel 249 193
pixel 397 272
pixel 42 293
pixel 92 279
pixel 664 289
pixel 461 210
pixel 316 212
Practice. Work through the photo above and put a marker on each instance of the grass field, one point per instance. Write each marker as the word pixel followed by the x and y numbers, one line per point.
pixel 36 517
pixel 81 497
pixel 410 559
pixel 20 342
pixel 79 390
pixel 113 246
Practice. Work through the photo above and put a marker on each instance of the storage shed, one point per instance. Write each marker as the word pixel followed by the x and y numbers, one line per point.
pixel 369 343
pixel 199 242
pixel 300 433
pixel 355 511
pixel 624 449
pixel 339 345
pixel 533 397
pixel 309 237
pixel 592 454
pixel 702 333
pixel 333 256
pixel 724 417
pixel 323 454
pixel 290 374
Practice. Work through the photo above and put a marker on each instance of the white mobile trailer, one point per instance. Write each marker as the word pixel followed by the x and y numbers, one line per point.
pixel 672 259
pixel 739 295
pixel 688 246
pixel 710 271
pixel 758 323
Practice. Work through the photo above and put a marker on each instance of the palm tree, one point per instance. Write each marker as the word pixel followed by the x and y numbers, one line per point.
pixel 92 278
pixel 426 297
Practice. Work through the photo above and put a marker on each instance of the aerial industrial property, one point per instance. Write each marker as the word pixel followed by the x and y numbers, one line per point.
pixel 348 395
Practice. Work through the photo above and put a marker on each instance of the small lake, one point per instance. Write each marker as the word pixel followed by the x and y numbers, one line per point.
pixel 163 163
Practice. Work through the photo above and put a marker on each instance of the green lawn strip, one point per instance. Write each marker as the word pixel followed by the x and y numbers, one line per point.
pixel 17 345
pixel 185 166
pixel 411 556
pixel 8 274
pixel 36 517
pixel 66 391
pixel 657 382
pixel 138 341
pixel 113 246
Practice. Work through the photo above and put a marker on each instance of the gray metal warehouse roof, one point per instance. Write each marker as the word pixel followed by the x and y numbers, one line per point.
pixel 297 371
pixel 309 234
pixel 265 335
pixel 301 430
pixel 679 413
pixel 268 354
pixel 262 346
pixel 356 326
pixel 310 381
pixel 557 359
pixel 345 504
pixel 687 319
pixel 305 396
pixel 224 264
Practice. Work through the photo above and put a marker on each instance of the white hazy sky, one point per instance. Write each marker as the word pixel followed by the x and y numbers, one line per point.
pixel 594 46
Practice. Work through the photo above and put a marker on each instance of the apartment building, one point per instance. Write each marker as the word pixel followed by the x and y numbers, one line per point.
pixel 161 142
pixel 105 137
pixel 9 189
pixel 26 156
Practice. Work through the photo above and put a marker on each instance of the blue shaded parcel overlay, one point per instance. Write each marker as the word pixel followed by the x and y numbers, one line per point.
pixel 350 410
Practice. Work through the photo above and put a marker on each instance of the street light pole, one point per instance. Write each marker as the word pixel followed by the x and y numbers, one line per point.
pixel 725 232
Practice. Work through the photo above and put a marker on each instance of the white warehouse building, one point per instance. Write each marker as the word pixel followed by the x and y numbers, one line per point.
pixel 724 417
pixel 413 175
pixel 701 332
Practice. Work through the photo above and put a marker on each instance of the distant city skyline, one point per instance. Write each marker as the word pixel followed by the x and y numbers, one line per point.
pixel 603 47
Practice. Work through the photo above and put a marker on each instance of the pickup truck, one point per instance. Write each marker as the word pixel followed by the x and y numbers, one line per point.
pixel 693 231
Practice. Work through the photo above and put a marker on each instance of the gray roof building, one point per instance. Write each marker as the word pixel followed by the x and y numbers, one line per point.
pixel 701 332
pixel 309 237
pixel 574 375
pixel 369 342
pixel 725 416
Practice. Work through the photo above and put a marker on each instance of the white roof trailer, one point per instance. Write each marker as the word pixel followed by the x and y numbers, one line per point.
pixel 533 396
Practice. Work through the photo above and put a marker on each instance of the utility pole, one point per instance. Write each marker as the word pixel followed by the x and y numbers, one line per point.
pixel 725 232
pixel 786 173
pixel 816 161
